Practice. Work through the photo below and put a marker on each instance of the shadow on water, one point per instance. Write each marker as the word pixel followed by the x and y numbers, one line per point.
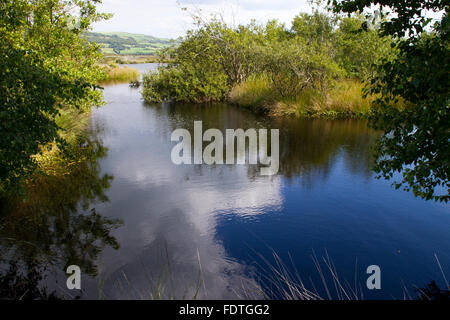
pixel 56 225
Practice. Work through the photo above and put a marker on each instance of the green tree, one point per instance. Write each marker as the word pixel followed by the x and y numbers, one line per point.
pixel 295 65
pixel 194 73
pixel 358 50
pixel 206 64
pixel 46 66
pixel 416 139
pixel 316 27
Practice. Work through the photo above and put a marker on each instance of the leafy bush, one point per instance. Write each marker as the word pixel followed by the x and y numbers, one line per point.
pixel 45 67
pixel 184 83
pixel 359 51
pixel 204 67
pixel 296 65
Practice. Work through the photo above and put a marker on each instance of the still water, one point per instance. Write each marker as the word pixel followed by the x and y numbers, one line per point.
pixel 143 227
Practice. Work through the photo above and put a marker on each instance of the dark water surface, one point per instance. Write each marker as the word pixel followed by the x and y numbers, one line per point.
pixel 199 231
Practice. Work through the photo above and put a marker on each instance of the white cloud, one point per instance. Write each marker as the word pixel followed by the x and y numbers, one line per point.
pixel 164 18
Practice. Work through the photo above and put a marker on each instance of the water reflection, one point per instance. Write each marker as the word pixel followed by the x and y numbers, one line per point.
pixel 171 213
pixel 308 148
pixel 180 261
pixel 57 224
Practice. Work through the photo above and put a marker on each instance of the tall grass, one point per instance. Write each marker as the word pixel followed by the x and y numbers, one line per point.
pixel 121 74
pixel 164 282
pixel 255 93
pixel 275 280
pixel 344 99
pixel 284 282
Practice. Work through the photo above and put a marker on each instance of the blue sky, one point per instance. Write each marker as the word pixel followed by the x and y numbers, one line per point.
pixel 164 18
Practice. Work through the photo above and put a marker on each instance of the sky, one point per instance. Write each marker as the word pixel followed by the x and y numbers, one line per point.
pixel 166 19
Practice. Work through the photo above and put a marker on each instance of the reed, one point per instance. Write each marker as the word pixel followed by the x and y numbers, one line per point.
pixel 256 93
pixel 344 99
pixel 121 74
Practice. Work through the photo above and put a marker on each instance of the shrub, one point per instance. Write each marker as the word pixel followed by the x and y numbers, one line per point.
pixel 184 83
pixel 296 65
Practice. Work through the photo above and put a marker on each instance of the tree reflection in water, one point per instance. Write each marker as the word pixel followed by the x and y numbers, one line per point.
pixel 56 224
pixel 308 147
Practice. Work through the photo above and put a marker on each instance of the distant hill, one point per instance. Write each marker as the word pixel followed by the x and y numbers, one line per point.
pixel 128 43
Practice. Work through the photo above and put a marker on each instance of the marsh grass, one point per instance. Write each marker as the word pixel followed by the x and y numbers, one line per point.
pixel 347 98
pixel 431 291
pixel 343 100
pixel 277 279
pixel 162 286
pixel 283 281
pixel 162 282
pixel 73 124
pixel 120 74
pixel 255 93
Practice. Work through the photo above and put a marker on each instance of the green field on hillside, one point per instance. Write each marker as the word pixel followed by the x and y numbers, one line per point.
pixel 128 43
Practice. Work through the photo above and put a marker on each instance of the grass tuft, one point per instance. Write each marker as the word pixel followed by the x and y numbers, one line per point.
pixel 121 74
pixel 255 93
pixel 345 99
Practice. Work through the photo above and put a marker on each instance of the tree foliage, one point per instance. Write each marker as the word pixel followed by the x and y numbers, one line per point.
pixel 296 65
pixel 416 140
pixel 216 57
pixel 315 27
pixel 207 63
pixel 358 50
pixel 46 66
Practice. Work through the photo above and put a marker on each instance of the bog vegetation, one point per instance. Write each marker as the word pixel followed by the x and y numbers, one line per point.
pixel 314 68
pixel 116 73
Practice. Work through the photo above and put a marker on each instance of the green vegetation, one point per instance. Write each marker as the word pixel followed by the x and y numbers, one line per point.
pixel 48 72
pixel 314 69
pixel 121 74
pixel 416 142
pixel 343 99
pixel 49 169
pixel 128 43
